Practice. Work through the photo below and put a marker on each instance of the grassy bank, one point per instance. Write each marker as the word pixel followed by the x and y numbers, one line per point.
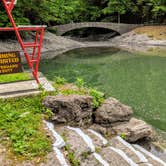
pixel 14 77
pixel 21 127
pixel 21 120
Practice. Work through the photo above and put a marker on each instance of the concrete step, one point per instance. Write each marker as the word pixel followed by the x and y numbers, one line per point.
pixel 112 155
pixel 129 150
pixel 136 153
pixel 76 143
pixel 24 88
pixel 58 145
pixel 114 158
pixel 92 149
pixel 151 158
pixel 98 140
pixel 82 152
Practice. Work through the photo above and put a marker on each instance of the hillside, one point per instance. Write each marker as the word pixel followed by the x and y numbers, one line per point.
pixel 153 32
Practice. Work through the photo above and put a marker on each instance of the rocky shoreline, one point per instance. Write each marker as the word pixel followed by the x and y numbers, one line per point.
pixel 86 136
pixel 92 135
pixel 55 45
pixel 111 118
pixel 76 120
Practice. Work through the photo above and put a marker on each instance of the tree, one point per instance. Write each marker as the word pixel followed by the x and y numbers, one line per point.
pixel 120 7
pixel 52 12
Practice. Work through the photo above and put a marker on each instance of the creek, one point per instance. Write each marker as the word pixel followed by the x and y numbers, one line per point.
pixel 136 79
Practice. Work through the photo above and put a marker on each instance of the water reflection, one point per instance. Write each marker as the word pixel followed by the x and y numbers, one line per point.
pixel 136 79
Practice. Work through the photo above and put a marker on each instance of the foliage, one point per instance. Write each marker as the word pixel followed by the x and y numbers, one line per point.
pixel 52 12
pixel 98 97
pixel 79 82
pixel 71 156
pixel 143 10
pixel 81 89
pixel 21 126
pixel 121 7
pixel 59 80
pixel 85 155
pixel 71 91
pixel 123 136
pixel 14 77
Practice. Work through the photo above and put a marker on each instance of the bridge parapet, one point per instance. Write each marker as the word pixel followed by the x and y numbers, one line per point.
pixel 118 27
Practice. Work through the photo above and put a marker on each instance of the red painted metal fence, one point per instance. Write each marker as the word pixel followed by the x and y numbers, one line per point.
pixel 31 50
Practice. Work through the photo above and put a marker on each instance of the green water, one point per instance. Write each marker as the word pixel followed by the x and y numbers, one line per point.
pixel 135 79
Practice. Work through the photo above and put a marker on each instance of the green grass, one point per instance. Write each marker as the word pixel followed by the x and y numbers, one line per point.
pixel 21 127
pixel 14 77
pixel 78 87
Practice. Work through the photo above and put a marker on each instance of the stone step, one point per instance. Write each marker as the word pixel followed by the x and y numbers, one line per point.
pixel 82 146
pixel 98 140
pixel 152 158
pixel 19 94
pixel 17 86
pixel 58 144
pixel 89 160
pixel 91 149
pixel 136 155
pixel 112 155
pixel 105 155
pixel 129 150
pixel 116 159
pixel 51 159
pixel 72 139
pixel 24 88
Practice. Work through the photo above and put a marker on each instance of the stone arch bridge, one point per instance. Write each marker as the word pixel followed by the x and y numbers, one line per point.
pixel 118 27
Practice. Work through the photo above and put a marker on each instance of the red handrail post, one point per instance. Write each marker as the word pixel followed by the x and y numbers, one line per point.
pixel 33 59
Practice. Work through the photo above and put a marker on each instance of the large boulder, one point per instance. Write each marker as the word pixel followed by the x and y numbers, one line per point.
pixel 133 130
pixel 112 111
pixel 71 109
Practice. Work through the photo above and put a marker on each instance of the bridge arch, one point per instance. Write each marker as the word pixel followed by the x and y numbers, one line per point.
pixel 120 28
pixel 85 31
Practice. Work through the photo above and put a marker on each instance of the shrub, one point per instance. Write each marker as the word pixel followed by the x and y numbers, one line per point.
pixel 98 97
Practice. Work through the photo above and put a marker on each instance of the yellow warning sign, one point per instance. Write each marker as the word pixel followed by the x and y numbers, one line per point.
pixel 10 62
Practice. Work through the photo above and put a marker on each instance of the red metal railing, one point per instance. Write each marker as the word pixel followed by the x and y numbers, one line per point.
pixel 33 55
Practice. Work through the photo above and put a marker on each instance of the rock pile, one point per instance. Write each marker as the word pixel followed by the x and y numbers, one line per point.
pixel 117 118
pixel 112 111
pixel 112 117
pixel 71 109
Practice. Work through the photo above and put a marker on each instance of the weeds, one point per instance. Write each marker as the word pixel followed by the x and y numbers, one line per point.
pixel 123 136
pixel 21 124
pixel 21 121
pixel 81 89
pixel 71 156
pixel 79 83
pixel 98 97
pixel 59 81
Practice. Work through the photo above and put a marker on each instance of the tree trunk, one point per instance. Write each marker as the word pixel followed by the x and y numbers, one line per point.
pixel 119 18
